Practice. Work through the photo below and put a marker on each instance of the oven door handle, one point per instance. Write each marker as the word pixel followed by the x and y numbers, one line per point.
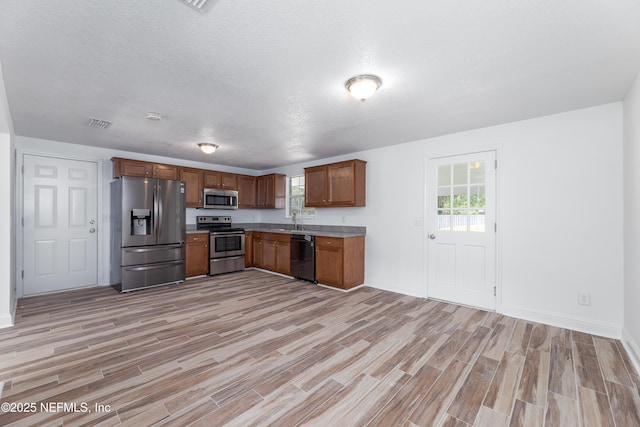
pixel 226 233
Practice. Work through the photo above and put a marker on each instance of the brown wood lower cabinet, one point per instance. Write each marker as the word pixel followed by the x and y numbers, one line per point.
pixel 283 255
pixel 257 249
pixel 271 251
pixel 340 261
pixel 248 249
pixel 197 254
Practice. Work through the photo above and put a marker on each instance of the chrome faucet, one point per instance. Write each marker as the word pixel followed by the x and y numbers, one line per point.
pixel 296 226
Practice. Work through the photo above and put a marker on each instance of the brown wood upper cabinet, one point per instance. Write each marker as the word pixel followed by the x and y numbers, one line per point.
pixel 128 167
pixel 336 184
pixel 263 192
pixel 271 191
pixel 222 180
pixel 246 191
pixel 193 186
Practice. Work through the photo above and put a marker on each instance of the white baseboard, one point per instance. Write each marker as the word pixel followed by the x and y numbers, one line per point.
pixel 633 350
pixel 6 320
pixel 582 325
pixel 396 290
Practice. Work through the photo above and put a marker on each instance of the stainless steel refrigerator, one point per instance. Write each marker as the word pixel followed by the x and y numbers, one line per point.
pixel 148 233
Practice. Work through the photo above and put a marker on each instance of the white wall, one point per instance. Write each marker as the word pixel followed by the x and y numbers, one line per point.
pixel 7 234
pixel 631 332
pixel 103 156
pixel 560 222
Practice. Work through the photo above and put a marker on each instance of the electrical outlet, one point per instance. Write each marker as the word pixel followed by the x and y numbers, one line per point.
pixel 584 298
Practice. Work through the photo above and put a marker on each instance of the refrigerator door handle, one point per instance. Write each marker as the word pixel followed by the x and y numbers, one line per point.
pixel 159 204
pixel 152 266
pixel 153 248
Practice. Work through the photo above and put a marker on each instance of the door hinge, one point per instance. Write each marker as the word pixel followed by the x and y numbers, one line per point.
pixel 23 274
pixel 22 222
pixel 495 227
pixel 494 291
pixel 495 164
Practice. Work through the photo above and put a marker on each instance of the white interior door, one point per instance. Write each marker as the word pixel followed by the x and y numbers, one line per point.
pixel 461 229
pixel 60 224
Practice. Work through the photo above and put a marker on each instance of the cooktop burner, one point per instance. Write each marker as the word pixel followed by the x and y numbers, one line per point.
pixel 216 224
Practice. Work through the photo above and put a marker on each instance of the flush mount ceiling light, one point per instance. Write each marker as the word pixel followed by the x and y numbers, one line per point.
pixel 363 86
pixel 154 116
pixel 208 148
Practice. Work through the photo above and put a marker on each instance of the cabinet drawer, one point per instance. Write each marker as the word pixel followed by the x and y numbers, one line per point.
pixel 277 237
pixel 329 242
pixel 197 237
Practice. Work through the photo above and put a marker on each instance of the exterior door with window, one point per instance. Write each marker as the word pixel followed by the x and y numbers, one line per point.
pixel 461 194
pixel 60 224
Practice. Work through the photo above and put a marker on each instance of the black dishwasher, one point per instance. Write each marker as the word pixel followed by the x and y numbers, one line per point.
pixel 303 257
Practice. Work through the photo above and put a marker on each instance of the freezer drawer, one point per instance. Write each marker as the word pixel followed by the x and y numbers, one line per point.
pixel 226 265
pixel 152 254
pixel 143 276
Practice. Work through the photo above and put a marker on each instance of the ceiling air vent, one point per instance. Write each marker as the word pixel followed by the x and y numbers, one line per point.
pixel 198 5
pixel 99 124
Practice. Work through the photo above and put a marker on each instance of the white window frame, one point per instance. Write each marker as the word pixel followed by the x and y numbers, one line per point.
pixel 288 201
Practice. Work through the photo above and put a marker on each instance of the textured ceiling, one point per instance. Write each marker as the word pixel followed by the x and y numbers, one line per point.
pixel 265 79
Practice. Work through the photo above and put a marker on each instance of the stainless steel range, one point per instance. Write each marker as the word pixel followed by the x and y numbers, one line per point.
pixel 226 244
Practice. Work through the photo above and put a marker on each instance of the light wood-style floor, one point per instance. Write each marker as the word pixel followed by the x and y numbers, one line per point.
pixel 252 348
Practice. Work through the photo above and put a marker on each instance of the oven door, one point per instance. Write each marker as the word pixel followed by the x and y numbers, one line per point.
pixel 225 244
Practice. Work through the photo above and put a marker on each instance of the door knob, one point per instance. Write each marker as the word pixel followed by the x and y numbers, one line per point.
pixel 432 236
pixel 92 222
pixel 92 230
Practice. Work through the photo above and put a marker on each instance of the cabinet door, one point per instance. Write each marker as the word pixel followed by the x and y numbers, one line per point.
pixel 264 191
pixel 257 250
pixel 193 186
pixel 212 179
pixel 197 255
pixel 329 265
pixel 229 181
pixel 269 254
pixel 283 257
pixel 341 180
pixel 248 249
pixel 246 191
pixel 315 186
pixel 126 167
pixel 165 171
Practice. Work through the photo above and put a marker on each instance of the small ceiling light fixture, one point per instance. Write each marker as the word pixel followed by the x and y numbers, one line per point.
pixel 363 86
pixel 154 116
pixel 208 148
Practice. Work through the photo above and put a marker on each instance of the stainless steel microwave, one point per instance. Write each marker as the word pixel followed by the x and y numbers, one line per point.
pixel 213 198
